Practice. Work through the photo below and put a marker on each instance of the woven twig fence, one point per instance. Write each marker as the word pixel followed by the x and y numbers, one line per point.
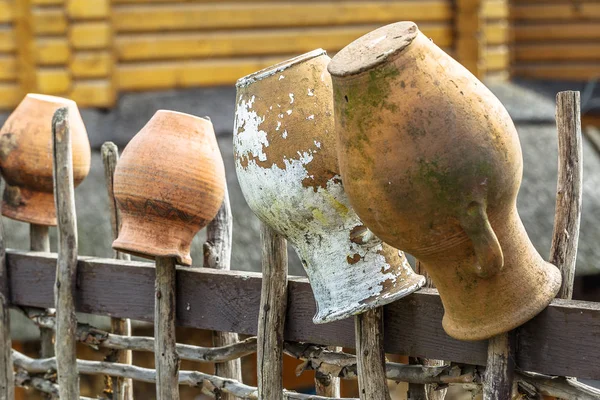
pixel 535 360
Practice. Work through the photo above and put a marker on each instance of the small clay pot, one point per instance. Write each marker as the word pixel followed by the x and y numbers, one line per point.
pixel 285 157
pixel 26 158
pixel 168 185
pixel 432 164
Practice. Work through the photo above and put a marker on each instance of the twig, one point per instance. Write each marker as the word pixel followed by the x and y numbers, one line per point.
pixel 188 378
pixel 271 317
pixel 24 380
pixel 327 384
pixel 165 351
pixel 559 387
pixel 39 240
pixel 7 390
pixel 563 252
pixel 217 255
pixel 368 328
pixel 97 338
pixel 121 389
pixel 66 265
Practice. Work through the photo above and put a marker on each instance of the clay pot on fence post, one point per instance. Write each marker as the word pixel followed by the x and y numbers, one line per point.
pixel 26 158
pixel 168 185
pixel 432 164
pixel 285 156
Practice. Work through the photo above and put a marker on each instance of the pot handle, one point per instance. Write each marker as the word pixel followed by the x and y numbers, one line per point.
pixel 488 251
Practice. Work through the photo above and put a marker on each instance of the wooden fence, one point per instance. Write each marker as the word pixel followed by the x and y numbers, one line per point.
pixel 556 39
pixel 90 50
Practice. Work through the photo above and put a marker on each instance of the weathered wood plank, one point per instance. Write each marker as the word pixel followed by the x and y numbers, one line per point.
pixel 7 389
pixel 561 340
pixel 553 51
pixel 368 329
pixel 564 11
pixel 90 35
pixel 139 18
pixel 66 263
pixel 51 51
pixel 10 95
pixel 579 71
pixel 93 93
pixel 541 32
pixel 8 41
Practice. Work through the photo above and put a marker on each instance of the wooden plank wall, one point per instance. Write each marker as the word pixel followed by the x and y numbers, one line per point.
pixel 556 39
pixel 90 50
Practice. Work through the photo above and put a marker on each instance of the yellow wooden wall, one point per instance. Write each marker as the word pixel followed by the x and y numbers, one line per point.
pixel 556 39
pixel 90 50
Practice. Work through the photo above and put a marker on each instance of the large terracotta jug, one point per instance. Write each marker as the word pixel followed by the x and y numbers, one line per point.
pixel 285 157
pixel 26 157
pixel 168 185
pixel 432 164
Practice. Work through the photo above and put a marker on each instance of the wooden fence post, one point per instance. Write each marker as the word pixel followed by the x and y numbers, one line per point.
pixel 418 391
pixel 7 388
pixel 325 384
pixel 165 344
pixel 122 389
pixel 271 317
pixel 370 356
pixel 217 255
pixel 470 43
pixel 563 253
pixel 66 265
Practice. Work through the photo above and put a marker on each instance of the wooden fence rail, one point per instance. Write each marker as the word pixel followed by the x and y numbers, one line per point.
pixel 563 340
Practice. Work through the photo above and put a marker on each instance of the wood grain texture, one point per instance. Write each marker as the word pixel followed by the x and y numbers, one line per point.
pixel 39 240
pixel 469 40
pixel 562 340
pixel 370 356
pixel 500 368
pixel 66 264
pixel 420 391
pixel 7 389
pixel 272 314
pixel 563 251
pixel 122 389
pixel 166 360
pixel 217 255
pixel 325 384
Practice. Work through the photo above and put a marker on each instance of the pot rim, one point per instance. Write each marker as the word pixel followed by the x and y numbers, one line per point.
pixel 49 98
pixel 373 49
pixel 279 67
pixel 162 110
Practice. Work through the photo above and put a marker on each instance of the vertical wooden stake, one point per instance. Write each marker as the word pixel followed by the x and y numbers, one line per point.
pixel 7 383
pixel 122 389
pixel 271 317
pixel 166 359
pixel 39 240
pixel 217 255
pixel 370 356
pixel 419 391
pixel 325 384
pixel 66 265
pixel 565 236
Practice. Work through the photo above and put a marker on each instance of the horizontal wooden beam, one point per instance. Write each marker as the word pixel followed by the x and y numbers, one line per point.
pixel 264 42
pixel 8 41
pixel 577 71
pixel 187 16
pixel 564 11
pixel 558 52
pixel 552 32
pixel 562 340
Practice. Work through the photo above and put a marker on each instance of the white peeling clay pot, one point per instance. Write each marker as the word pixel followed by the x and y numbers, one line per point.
pixel 285 155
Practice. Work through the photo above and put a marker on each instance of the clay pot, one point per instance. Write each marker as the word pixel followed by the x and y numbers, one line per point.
pixel 285 157
pixel 26 158
pixel 432 164
pixel 168 185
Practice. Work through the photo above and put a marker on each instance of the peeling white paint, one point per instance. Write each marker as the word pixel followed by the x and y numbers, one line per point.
pixel 310 117
pixel 316 222
pixel 291 98
pixel 289 112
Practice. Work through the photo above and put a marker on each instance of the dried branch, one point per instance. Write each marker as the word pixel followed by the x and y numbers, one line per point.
pixel 121 389
pixel 66 265
pixel 24 380
pixel 188 378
